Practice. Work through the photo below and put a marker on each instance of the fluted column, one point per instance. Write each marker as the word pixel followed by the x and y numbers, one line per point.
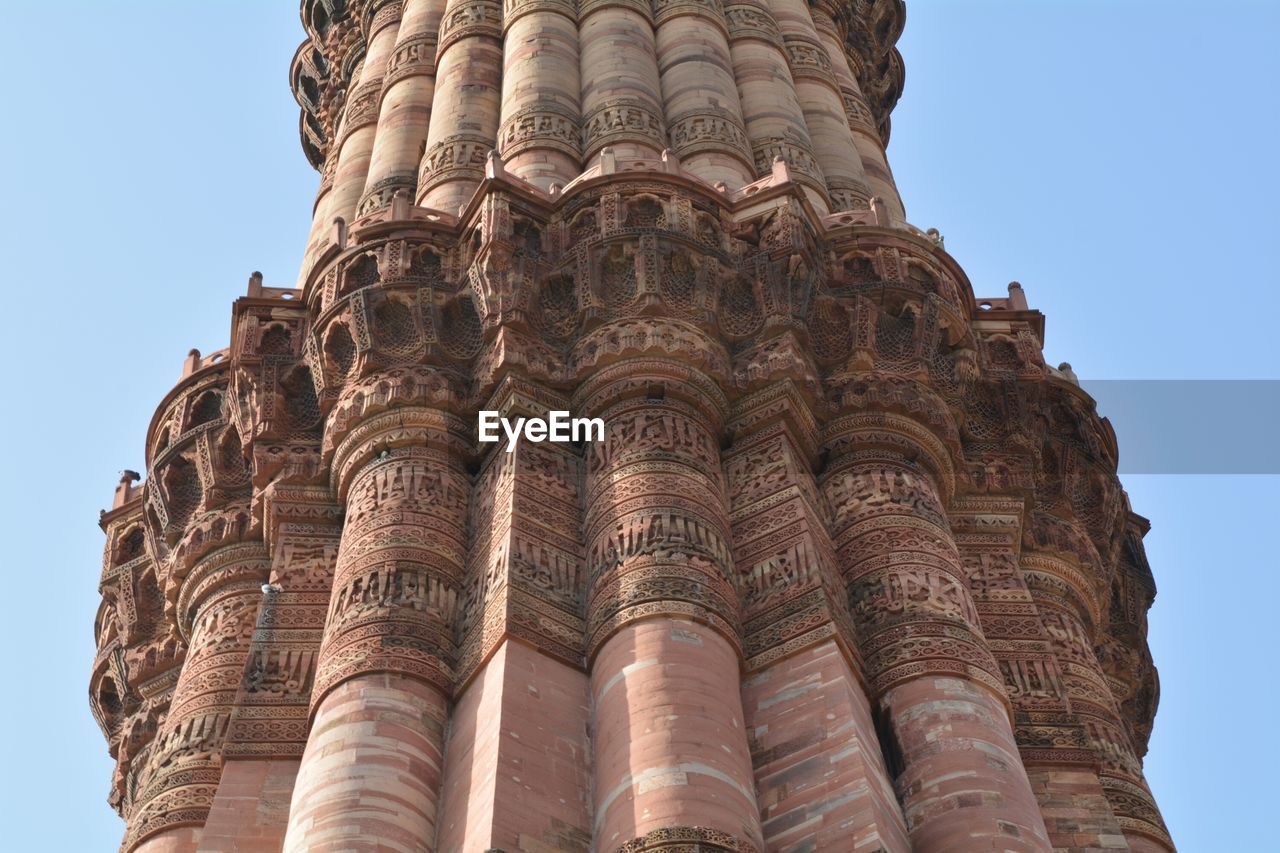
pixel 875 165
pixel 218 606
pixel 621 90
pixel 1062 594
pixel 268 727
pixel 466 105
pixel 1063 772
pixel 347 166
pixel 700 97
pixel 404 114
pixel 944 713
pixel 671 755
pixel 540 137
pixel 803 694
pixel 360 119
pixel 771 111
pixel 518 750
pixel 833 143
pixel 373 761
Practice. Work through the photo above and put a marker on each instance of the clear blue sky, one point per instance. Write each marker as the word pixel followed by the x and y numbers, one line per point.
pixel 1117 158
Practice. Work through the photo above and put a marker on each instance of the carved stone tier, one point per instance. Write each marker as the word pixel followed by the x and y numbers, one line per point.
pixel 850 569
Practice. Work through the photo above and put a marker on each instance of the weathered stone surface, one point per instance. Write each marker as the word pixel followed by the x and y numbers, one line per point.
pixel 851 569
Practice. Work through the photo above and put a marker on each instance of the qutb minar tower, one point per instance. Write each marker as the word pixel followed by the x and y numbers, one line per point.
pixel 850 568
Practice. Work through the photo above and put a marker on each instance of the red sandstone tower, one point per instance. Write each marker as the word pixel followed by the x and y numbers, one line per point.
pixel 850 571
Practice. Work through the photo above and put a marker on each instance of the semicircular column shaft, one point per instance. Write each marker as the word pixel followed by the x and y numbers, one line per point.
pixel 700 97
pixel 771 110
pixel 361 117
pixel 988 529
pixel 466 105
pixel 621 90
pixel 404 113
pixel 185 769
pixel 352 147
pixel 373 761
pixel 875 165
pixel 540 138
pixel 959 775
pixel 671 756
pixel 803 693
pixel 819 95
pixel 1060 592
